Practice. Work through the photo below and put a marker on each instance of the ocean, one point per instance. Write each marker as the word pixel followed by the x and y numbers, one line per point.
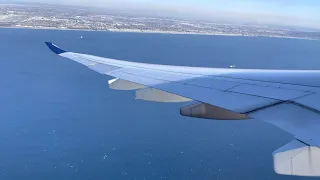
pixel 59 120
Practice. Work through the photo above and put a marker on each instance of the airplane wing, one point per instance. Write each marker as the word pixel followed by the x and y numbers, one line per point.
pixel 288 99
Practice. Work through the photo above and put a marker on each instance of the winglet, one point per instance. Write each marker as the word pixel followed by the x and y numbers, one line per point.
pixel 55 48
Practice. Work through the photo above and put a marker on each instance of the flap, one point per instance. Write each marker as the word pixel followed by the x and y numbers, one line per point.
pixel 301 122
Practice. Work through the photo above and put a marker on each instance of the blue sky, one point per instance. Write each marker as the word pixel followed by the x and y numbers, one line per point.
pixel 287 12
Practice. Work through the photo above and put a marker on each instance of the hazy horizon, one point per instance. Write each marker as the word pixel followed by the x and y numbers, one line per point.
pixel 273 12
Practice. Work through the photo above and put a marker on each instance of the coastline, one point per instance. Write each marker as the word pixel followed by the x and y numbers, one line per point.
pixel 153 32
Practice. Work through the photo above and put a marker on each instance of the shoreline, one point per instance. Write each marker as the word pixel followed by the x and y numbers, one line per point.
pixel 153 32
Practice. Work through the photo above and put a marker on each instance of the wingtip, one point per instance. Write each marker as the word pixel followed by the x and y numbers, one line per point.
pixel 55 48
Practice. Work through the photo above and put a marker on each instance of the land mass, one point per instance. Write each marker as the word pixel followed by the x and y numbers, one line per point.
pixel 46 16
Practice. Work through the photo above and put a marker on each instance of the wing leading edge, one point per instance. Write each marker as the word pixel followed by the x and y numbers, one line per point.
pixel 283 98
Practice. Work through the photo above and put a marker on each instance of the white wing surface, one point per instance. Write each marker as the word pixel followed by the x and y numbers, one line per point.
pixel 288 99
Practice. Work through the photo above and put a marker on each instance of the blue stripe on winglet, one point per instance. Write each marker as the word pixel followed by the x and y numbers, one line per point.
pixel 55 48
